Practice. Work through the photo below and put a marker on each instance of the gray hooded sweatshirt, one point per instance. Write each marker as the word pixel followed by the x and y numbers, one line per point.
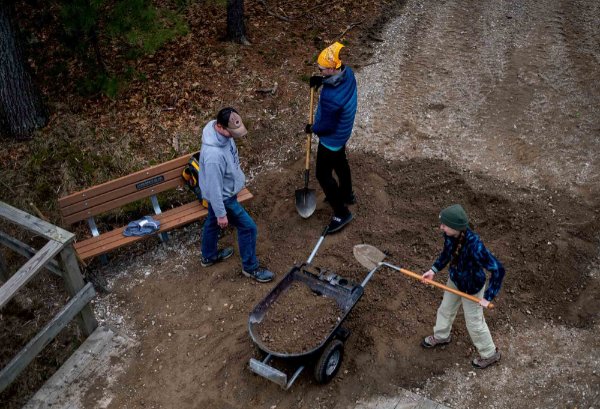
pixel 220 174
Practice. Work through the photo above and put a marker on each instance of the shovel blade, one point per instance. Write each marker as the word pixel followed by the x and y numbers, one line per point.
pixel 368 256
pixel 306 202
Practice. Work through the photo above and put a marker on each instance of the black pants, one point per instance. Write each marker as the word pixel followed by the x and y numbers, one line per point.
pixel 329 161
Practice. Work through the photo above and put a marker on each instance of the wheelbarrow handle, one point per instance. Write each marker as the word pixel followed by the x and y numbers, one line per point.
pixel 436 284
pixel 314 252
pixel 368 277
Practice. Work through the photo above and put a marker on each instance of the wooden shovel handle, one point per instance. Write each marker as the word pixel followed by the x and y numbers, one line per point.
pixel 436 284
pixel 310 122
pixel 312 104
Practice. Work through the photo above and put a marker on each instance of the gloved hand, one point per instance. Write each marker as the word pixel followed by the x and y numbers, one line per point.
pixel 316 81
pixel 308 128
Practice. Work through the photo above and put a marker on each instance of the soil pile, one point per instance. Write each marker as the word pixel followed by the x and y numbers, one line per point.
pixel 397 211
pixel 298 321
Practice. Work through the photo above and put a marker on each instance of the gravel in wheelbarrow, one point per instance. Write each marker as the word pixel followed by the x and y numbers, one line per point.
pixel 290 327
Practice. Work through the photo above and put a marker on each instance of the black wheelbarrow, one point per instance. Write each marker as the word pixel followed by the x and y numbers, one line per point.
pixel 326 356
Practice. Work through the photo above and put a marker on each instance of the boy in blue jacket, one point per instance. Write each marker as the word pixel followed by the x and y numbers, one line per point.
pixel 333 125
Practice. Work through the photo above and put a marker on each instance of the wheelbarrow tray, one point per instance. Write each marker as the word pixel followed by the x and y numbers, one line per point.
pixel 327 354
pixel 346 294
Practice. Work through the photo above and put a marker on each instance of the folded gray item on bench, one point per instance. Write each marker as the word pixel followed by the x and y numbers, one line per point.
pixel 142 227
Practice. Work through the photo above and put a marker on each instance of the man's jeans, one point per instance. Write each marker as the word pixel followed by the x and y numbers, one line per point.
pixel 246 232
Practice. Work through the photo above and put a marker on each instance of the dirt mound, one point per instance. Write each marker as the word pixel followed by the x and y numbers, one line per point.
pixel 537 235
pixel 543 239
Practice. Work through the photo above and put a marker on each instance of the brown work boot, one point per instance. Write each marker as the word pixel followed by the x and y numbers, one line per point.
pixel 481 363
pixel 431 341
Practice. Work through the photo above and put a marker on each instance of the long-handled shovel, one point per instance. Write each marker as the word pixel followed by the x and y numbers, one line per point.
pixel 372 258
pixel 306 199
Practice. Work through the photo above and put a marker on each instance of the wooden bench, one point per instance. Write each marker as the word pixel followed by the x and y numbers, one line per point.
pixel 147 183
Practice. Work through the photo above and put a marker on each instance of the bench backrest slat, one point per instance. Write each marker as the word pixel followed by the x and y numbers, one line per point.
pixel 116 193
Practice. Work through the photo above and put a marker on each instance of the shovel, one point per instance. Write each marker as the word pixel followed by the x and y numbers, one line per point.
pixel 372 258
pixel 306 199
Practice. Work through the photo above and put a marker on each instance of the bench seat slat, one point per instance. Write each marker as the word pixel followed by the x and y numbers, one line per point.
pixel 90 205
pixel 141 194
pixel 133 178
pixel 169 219
pixel 166 219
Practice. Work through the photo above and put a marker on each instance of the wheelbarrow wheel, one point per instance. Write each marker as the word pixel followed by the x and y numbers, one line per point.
pixel 329 362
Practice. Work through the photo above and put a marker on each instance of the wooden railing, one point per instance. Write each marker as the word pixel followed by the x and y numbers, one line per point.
pixel 60 242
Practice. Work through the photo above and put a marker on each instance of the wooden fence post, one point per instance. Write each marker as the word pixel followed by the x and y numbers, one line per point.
pixel 74 283
pixel 10 372
pixel 4 275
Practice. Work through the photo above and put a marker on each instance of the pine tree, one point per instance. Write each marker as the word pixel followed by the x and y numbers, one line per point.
pixel 21 107
pixel 236 28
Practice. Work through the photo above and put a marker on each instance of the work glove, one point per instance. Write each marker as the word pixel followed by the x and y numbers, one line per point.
pixel 308 129
pixel 316 81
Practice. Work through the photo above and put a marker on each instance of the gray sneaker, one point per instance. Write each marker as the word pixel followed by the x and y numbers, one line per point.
pixel 223 254
pixel 481 363
pixel 431 341
pixel 260 274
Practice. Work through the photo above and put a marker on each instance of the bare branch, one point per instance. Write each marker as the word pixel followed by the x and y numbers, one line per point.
pixel 350 26
pixel 271 13
pixel 271 90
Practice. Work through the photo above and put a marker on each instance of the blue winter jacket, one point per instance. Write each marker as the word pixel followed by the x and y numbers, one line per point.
pixel 337 108
pixel 468 275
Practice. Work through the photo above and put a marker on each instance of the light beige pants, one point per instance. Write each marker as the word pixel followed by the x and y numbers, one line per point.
pixel 478 329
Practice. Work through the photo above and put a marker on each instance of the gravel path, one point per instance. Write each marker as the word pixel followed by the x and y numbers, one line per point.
pixel 508 88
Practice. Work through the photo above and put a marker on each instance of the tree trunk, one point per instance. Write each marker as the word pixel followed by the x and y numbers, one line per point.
pixel 236 29
pixel 96 45
pixel 21 108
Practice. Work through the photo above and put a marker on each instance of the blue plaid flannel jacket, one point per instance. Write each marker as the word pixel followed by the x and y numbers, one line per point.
pixel 468 275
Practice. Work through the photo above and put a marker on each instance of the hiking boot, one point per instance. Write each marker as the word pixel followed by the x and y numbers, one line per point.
pixel 338 223
pixel 260 274
pixel 221 255
pixel 431 341
pixel 481 363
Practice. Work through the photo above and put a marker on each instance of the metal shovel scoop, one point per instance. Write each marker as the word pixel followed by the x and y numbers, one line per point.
pixel 372 258
pixel 306 199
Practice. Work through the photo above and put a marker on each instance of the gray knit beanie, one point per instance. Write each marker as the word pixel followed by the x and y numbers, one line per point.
pixel 454 217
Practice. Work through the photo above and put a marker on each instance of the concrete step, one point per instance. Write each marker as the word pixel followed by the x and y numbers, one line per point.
pixel 99 357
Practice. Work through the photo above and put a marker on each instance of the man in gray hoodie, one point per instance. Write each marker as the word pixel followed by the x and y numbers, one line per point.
pixel 221 179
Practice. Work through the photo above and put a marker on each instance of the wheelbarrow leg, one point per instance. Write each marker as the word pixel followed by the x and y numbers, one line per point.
pixel 342 333
pixel 294 376
pixel 263 369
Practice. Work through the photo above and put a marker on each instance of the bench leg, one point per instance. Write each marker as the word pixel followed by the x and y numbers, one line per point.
pixel 164 237
pixel 96 233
